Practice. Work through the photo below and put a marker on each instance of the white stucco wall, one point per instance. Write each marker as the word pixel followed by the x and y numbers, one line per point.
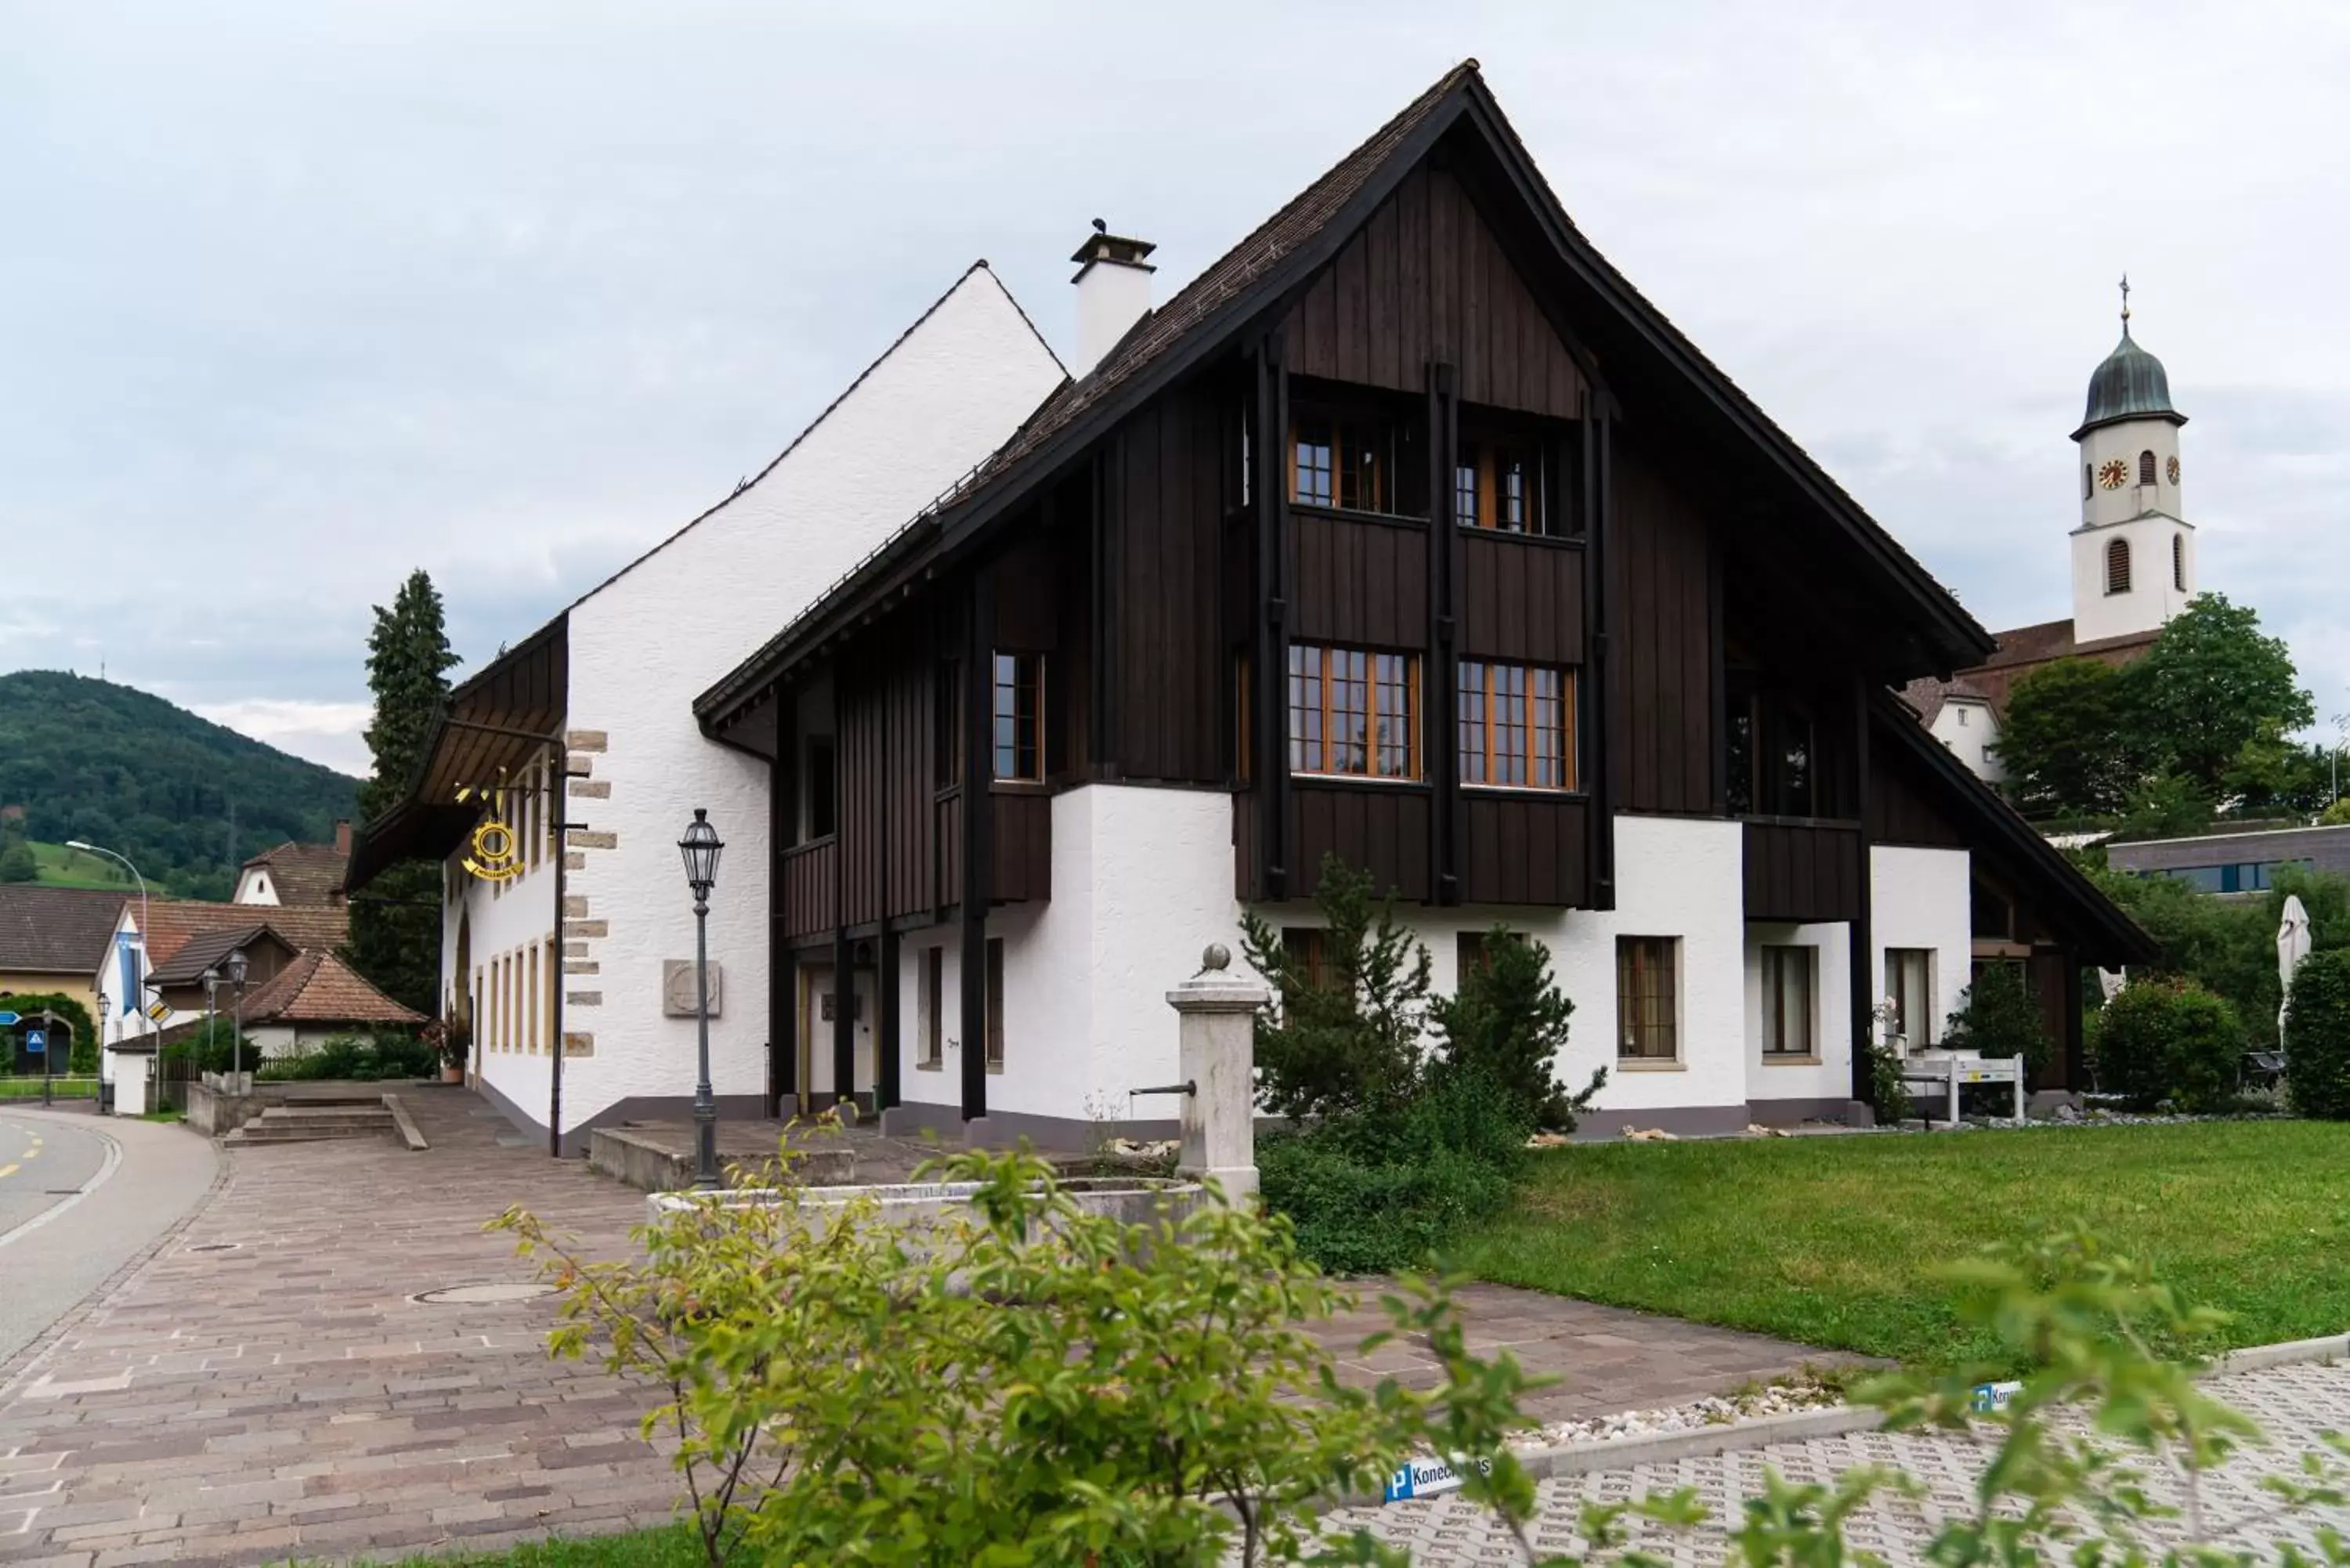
pixel 1968 727
pixel 504 921
pixel 643 646
pixel 1922 898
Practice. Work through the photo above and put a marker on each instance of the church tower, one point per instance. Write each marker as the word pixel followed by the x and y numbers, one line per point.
pixel 2134 553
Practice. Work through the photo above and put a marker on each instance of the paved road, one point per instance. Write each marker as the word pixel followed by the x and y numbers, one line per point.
pixel 80 1197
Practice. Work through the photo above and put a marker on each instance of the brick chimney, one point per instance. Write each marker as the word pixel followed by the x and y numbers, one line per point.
pixel 343 836
pixel 1113 293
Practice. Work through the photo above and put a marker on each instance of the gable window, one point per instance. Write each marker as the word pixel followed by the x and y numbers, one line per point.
pixel 1909 983
pixel 1787 974
pixel 995 1004
pixel 1769 768
pixel 1020 716
pixel 2179 562
pixel 1504 485
pixel 1354 712
pixel 1517 725
pixel 931 1053
pixel 2146 468
pixel 822 786
pixel 2117 568
pixel 1350 459
pixel 1647 1008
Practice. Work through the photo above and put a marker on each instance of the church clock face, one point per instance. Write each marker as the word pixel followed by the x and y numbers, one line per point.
pixel 2114 473
pixel 2171 469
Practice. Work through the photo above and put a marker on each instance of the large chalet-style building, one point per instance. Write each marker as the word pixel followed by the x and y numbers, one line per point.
pixel 1408 532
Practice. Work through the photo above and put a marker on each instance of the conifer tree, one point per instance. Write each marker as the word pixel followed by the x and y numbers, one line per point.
pixel 396 922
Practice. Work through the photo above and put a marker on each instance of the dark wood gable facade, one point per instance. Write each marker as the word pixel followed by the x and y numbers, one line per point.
pixel 1408 526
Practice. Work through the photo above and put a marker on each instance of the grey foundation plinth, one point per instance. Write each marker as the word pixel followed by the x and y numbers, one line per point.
pixel 1218 1059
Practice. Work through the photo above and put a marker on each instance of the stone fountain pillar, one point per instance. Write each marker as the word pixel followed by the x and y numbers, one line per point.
pixel 1218 1057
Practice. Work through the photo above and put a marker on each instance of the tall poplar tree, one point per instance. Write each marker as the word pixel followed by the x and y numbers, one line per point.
pixel 396 922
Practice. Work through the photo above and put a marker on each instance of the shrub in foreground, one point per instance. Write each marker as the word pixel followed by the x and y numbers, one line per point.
pixel 2317 1036
pixel 1368 1194
pixel 2167 1040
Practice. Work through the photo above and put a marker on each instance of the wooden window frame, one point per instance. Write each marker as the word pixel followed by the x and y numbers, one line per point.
pixel 2149 471
pixel 810 792
pixel 929 1002
pixel 1334 675
pixel 2117 568
pixel 1481 750
pixel 530 1008
pixel 1647 971
pixel 1307 950
pixel 1774 960
pixel 1339 479
pixel 992 957
pixel 1896 960
pixel 1026 680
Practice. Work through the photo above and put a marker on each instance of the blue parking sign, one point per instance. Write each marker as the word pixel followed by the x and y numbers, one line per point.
pixel 36 1042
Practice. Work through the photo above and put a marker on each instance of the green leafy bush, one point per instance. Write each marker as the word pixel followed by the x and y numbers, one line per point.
pixel 2317 1036
pixel 1373 1193
pixel 360 1058
pixel 213 1047
pixel 1343 1037
pixel 1998 1017
pixel 1507 1024
pixel 1031 1382
pixel 2169 1041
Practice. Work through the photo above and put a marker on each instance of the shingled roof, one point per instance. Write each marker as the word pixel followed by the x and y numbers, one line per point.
pixel 1199 318
pixel 307 876
pixel 172 923
pixel 208 949
pixel 320 989
pixel 56 930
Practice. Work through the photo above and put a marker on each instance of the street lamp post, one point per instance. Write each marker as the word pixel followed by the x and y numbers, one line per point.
pixel 105 1006
pixel 699 846
pixel 235 964
pixel 211 1010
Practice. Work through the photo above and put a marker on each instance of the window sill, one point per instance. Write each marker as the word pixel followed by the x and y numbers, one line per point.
pixel 1547 541
pixel 1347 515
pixel 996 1068
pixel 1354 781
pixel 1528 791
pixel 1776 1059
pixel 1649 1064
pixel 1018 787
pixel 930 1066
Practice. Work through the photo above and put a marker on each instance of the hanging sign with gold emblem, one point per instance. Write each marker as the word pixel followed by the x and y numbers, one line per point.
pixel 494 854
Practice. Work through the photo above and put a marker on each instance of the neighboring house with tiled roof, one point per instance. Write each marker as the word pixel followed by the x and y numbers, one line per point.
pixel 307 875
pixel 315 996
pixel 184 936
pixel 2132 559
pixel 55 939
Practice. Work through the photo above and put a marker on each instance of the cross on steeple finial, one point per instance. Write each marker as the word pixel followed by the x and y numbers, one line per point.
pixel 2125 304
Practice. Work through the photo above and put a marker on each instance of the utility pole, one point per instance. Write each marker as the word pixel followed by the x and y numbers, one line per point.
pixel 48 1045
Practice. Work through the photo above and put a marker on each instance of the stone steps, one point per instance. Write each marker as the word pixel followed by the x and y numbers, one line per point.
pixel 306 1122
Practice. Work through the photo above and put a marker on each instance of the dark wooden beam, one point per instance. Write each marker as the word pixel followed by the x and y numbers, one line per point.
pixel 1439 690
pixel 844 1015
pixel 978 835
pixel 1102 748
pixel 888 1089
pixel 1598 700
pixel 783 970
pixel 1863 922
pixel 1271 479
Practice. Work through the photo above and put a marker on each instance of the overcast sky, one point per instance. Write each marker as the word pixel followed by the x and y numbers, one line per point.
pixel 296 296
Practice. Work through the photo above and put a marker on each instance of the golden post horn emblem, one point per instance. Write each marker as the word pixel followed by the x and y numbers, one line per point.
pixel 495 854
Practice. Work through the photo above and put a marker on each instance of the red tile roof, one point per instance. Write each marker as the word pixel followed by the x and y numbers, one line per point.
pixel 2020 651
pixel 171 922
pixel 320 988
pixel 307 876
pixel 56 930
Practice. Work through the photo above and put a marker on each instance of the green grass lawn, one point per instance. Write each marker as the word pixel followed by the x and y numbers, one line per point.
pixel 676 1546
pixel 1835 1241
pixel 59 1088
pixel 64 867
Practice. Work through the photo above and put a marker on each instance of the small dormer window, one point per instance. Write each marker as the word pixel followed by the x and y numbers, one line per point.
pixel 2145 473
pixel 2117 568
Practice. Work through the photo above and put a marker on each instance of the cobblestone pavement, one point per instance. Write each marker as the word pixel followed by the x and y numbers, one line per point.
pixel 2293 1406
pixel 266 1385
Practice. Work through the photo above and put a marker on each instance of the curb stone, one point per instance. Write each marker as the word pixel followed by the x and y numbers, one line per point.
pixel 1831 1421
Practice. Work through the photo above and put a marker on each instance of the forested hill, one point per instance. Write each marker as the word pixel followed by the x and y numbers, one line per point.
pixel 92 759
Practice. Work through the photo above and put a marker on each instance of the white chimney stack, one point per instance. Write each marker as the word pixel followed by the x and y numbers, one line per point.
pixel 1113 293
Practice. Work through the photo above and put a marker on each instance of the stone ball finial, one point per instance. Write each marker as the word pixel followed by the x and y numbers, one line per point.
pixel 1217 958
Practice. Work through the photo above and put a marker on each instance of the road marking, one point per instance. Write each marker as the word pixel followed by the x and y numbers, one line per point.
pixel 113 1159
pixel 8 1170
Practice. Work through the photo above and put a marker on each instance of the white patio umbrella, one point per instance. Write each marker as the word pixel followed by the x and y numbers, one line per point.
pixel 2293 946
